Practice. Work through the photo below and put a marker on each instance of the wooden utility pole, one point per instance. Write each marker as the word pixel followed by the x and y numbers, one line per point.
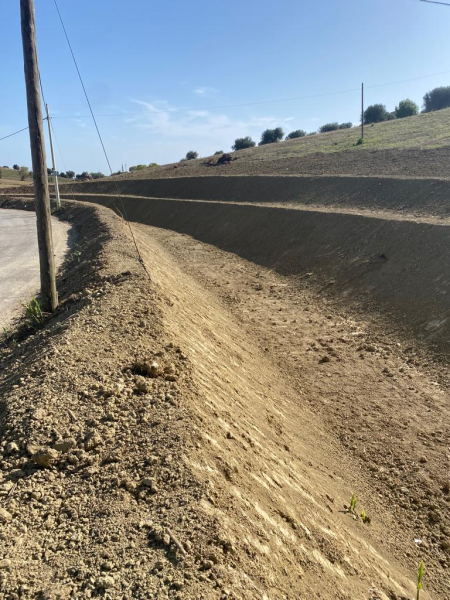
pixel 50 137
pixel 49 295
pixel 362 111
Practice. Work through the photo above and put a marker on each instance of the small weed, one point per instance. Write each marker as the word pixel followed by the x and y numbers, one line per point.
pixel 75 255
pixel 364 517
pixel 8 339
pixel 360 142
pixel 419 580
pixel 269 419
pixel 353 501
pixel 34 313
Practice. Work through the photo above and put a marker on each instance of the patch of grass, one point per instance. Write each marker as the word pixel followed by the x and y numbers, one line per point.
pixel 34 313
pixel 426 130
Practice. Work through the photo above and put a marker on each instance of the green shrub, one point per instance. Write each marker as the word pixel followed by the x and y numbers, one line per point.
pixel 348 125
pixel 437 99
pixel 376 113
pixel 406 108
pixel 271 136
pixel 298 133
pixel 242 143
pixel 329 127
pixel 191 155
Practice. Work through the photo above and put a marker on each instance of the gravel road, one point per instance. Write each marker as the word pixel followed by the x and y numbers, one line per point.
pixel 19 265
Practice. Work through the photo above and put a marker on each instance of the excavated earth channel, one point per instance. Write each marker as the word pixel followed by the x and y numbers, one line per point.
pixel 284 403
pixel 388 264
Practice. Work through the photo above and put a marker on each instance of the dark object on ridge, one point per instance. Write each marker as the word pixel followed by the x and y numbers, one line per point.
pixel 225 159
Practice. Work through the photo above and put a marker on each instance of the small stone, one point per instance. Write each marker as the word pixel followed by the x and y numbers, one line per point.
pixel 324 359
pixel 92 440
pixel 166 539
pixel 143 386
pixel 150 483
pixel 434 517
pixel 105 582
pixel 12 447
pixel 5 516
pixel 45 458
pixel 64 445
pixel 5 563
pixel 154 370
pixel 423 459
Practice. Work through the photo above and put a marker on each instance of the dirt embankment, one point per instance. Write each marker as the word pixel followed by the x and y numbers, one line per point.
pixel 424 197
pixel 96 496
pixel 393 267
pixel 146 450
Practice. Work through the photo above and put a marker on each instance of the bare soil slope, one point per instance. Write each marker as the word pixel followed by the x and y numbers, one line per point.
pixel 376 262
pixel 151 449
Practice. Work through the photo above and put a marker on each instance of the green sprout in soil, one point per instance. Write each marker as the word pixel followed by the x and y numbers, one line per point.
pixel 75 255
pixel 364 516
pixel 419 580
pixel 34 313
pixel 353 501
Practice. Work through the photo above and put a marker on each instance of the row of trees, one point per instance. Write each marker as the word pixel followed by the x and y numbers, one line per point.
pixel 436 99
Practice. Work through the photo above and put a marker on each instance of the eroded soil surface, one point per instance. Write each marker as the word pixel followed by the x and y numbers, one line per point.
pixel 196 430
pixel 376 397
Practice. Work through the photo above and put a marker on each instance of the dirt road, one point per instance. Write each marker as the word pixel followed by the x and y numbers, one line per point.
pixel 19 267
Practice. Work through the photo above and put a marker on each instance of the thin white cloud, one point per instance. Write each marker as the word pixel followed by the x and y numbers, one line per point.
pixel 167 122
pixel 166 133
pixel 205 91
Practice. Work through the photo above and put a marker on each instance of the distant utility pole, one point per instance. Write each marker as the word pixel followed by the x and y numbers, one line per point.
pixel 49 123
pixel 362 111
pixel 49 295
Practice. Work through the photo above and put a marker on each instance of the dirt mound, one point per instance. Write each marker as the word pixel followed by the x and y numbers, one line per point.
pixel 96 495
pixel 375 263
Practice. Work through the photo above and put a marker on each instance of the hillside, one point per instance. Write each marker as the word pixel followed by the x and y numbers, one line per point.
pixel 413 147
pixel 11 177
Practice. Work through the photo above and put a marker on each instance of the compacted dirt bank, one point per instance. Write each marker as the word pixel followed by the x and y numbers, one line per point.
pixel 381 262
pixel 351 408
pixel 153 447
pixel 96 495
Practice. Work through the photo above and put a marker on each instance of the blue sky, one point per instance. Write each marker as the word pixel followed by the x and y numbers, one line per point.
pixel 144 56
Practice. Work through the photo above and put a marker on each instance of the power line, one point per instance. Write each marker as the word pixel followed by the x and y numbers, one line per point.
pixel 119 197
pixel 15 133
pixel 175 110
pixel 436 2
